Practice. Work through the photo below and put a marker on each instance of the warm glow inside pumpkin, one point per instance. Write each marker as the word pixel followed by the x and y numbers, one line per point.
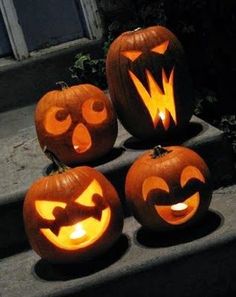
pixel 94 111
pixel 181 212
pixel 173 189
pixel 72 216
pixel 149 82
pixel 81 233
pixel 160 105
pixel 78 124
pixel 81 139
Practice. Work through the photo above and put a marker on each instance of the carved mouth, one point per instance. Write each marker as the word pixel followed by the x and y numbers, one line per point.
pixel 177 217
pixel 160 104
pixel 81 139
pixel 79 235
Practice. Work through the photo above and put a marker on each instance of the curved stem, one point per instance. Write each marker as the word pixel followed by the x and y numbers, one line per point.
pixel 159 151
pixel 62 84
pixel 61 167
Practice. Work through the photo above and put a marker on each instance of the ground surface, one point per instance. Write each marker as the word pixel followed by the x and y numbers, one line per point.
pixel 198 261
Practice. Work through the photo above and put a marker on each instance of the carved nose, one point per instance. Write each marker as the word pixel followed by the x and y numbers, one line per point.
pixel 81 139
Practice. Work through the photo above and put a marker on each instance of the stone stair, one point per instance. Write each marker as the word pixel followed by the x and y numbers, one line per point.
pixel 198 261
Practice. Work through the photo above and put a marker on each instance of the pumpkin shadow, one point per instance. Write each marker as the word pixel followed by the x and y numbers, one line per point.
pixel 112 155
pixel 206 226
pixel 63 272
pixel 176 137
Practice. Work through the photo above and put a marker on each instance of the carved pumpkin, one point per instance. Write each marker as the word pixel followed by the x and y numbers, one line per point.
pixel 168 188
pixel 78 123
pixel 72 216
pixel 149 82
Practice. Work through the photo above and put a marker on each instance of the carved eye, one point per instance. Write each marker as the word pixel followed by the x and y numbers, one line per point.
pixel 161 48
pixel 45 208
pixel 94 111
pixel 132 55
pixel 57 120
pixel 153 183
pixel 190 172
pixel 86 197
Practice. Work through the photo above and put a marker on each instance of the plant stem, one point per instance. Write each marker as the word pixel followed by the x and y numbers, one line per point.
pixel 62 84
pixel 159 151
pixel 60 167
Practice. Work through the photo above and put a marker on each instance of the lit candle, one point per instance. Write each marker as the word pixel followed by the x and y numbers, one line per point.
pixel 79 235
pixel 179 209
pixel 162 115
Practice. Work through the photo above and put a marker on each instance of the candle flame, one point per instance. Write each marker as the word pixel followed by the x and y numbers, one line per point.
pixel 179 206
pixel 179 209
pixel 78 233
pixel 162 115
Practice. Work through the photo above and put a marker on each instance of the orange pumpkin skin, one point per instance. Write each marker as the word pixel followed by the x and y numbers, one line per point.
pixel 55 204
pixel 78 124
pixel 154 184
pixel 146 59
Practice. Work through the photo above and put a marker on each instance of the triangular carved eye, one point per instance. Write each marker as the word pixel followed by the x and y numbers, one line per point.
pixel 85 198
pixel 132 55
pixel 161 48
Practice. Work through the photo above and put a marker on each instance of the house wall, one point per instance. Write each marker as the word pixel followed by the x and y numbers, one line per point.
pixel 5 47
pixel 51 22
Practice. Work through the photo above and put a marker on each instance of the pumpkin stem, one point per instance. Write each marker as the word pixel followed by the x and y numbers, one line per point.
pixel 60 167
pixel 62 84
pixel 159 151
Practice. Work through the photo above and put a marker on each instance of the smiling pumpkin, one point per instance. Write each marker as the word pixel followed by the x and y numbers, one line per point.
pixel 79 222
pixel 155 192
pixel 72 216
pixel 172 188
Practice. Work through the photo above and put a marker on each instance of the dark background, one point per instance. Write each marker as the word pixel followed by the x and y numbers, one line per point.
pixel 207 31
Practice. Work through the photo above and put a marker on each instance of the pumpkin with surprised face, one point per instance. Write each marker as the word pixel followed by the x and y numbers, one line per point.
pixel 72 216
pixel 78 124
pixel 149 82
pixel 169 188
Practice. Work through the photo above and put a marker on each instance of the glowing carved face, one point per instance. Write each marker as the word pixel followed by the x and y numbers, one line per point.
pixel 78 223
pixel 149 82
pixel 160 103
pixel 58 122
pixel 175 210
pixel 71 123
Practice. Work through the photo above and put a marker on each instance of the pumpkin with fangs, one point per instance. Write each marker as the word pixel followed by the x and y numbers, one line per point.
pixel 149 82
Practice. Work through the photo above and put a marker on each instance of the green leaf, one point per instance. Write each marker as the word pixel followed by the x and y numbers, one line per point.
pixel 80 62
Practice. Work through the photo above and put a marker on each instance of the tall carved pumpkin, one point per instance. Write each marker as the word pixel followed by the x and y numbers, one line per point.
pixel 149 82
pixel 78 124
pixel 168 188
pixel 72 216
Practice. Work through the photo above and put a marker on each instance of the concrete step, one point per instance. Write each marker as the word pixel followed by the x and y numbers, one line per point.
pixel 200 261
pixel 22 162
pixel 24 82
